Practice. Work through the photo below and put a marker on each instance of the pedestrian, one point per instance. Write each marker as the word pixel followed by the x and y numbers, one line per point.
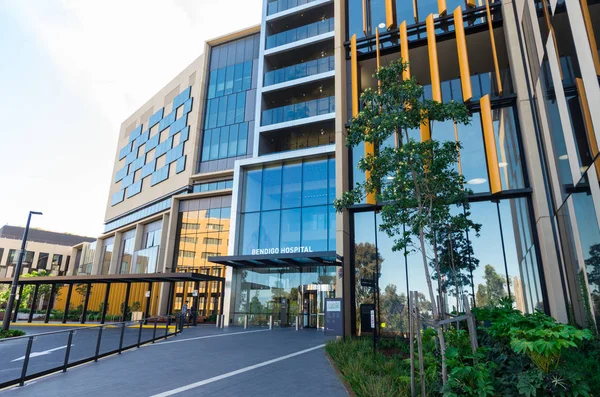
pixel 183 314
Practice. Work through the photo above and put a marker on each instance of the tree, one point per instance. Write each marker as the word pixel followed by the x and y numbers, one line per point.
pixel 593 266
pixel 29 290
pixel 416 182
pixel 493 289
pixel 456 262
pixel 366 257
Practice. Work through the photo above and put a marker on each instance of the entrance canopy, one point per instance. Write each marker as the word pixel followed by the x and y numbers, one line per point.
pixel 114 278
pixel 296 260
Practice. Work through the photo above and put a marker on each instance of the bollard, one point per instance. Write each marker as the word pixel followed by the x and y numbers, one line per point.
pixel 222 320
pixel 217 321
pixel 297 322
pixel 271 322
pixel 246 321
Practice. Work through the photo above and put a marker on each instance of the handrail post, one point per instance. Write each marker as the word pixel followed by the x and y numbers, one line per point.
pixel 26 360
pixel 167 327
pixel 68 351
pixel 35 296
pixel 246 321
pixel 140 333
pixel 271 321
pixel 121 339
pixel 297 322
pixel 98 344
pixel 67 304
pixel 154 332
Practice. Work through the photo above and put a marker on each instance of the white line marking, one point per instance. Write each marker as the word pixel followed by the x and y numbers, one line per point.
pixel 36 354
pixel 233 373
pixel 205 337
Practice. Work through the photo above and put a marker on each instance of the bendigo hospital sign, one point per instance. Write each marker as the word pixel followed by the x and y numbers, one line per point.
pixel 282 250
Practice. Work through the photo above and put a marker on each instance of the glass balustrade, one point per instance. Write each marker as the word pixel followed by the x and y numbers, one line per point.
pixel 310 68
pixel 273 7
pixel 145 261
pixel 300 33
pixel 299 111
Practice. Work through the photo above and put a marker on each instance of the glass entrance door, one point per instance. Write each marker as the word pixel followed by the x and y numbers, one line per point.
pixel 309 308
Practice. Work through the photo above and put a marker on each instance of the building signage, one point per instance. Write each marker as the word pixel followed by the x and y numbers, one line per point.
pixel 283 250
pixel 334 317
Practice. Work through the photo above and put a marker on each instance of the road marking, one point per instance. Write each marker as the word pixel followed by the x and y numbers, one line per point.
pixel 233 373
pixel 206 337
pixel 45 352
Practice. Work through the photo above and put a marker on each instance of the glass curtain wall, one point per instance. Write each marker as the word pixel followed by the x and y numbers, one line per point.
pixel 146 259
pixel 230 100
pixel 126 253
pixel 287 208
pixel 107 250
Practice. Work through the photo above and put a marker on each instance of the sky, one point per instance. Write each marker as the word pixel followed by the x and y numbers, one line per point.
pixel 70 72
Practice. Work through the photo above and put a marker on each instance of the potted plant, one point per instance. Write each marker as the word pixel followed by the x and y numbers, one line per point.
pixel 136 313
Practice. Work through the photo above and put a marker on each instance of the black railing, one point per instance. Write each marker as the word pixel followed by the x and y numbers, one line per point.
pixel 83 344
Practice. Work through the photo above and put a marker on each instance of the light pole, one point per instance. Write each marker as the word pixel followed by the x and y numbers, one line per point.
pixel 13 287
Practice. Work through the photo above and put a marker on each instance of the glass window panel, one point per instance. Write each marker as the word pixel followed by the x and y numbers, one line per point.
pixel 332 228
pixel 292 185
pixel 507 146
pixel 314 228
pixel 231 102
pixel 238 77
pixel 252 187
pixel 247 81
pixel 220 82
pixel 233 140
pixel 214 144
pixel 314 182
pixel 290 228
pixel 271 182
pixel 223 142
pixel 212 85
pixel 229 80
pixel 331 165
pixel 269 229
pixel 378 15
pixel 250 224
pixel 222 112
pixel 243 139
pixel 472 155
pixel 206 145
pixel 240 107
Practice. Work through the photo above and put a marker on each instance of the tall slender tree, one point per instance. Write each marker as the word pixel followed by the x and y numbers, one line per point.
pixel 416 183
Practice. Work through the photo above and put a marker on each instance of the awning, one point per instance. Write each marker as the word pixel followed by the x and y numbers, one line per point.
pixel 115 278
pixel 297 260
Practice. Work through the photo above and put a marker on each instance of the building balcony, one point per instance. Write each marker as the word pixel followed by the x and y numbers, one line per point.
pixel 274 7
pixel 301 70
pixel 300 33
pixel 298 111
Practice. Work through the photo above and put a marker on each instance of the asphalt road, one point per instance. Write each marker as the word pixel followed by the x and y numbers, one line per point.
pixel 48 351
pixel 204 361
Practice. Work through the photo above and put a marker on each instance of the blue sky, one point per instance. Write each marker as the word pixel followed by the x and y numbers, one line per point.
pixel 71 72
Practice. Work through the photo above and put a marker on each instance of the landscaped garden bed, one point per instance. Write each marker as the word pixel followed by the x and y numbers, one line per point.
pixel 518 355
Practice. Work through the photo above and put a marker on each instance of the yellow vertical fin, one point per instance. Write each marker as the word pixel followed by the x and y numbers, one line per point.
pixel 463 56
pixel 433 60
pixel 490 144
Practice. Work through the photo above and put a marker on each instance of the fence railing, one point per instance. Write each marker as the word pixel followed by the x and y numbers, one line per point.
pixel 28 357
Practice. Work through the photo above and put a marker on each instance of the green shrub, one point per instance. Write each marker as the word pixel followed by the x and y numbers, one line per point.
pixel 11 333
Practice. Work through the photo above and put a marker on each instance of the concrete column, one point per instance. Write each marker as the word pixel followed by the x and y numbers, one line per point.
pixel 116 254
pixel 167 243
pixel 542 211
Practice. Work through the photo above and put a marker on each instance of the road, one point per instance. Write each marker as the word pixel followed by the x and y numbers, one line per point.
pixel 203 361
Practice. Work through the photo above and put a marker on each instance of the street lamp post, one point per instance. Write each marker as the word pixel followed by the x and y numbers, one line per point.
pixel 13 287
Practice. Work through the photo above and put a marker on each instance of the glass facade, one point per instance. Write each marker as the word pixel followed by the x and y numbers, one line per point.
pixel 230 100
pixel 107 250
pixel 305 69
pixel 155 208
pixel 287 208
pixel 300 33
pixel 297 111
pixel 212 186
pixel 273 7
pixel 126 253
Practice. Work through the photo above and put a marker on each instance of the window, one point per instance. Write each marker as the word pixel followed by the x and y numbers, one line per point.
pixel 212 240
pixel 214 226
pixel 190 226
pixel 42 262
pixel 205 255
pixel 107 255
pixel 185 239
pixel 127 252
pixel 186 254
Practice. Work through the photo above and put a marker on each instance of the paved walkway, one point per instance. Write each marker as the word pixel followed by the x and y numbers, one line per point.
pixel 205 361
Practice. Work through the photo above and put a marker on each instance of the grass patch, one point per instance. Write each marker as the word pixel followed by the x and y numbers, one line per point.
pixel 11 333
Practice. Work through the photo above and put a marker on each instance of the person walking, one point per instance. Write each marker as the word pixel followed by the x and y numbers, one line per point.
pixel 183 315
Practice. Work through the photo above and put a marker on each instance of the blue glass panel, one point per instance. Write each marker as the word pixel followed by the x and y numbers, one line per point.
pixel 229 80
pixel 331 166
pixel 222 112
pixel 131 157
pixel 127 180
pixel 240 107
pixel 148 168
pixel 160 175
pixel 120 174
pixel 180 166
pixel 223 140
pixel 314 228
pixel 212 85
pixel 137 164
pixel 269 229
pixel 134 189
pixel 230 117
pixel 290 228
pixel 187 106
pixel 206 145
pixel 182 97
pixel 213 108
pixel 178 125
pixel 214 144
pixel 155 118
pixel 124 151
pixel 252 188
pixel 117 197
pixel 271 184
pixel 135 133
pixel 152 143
pixel 233 140
pixel 314 177
pixel 220 82
pixel 143 138
pixel 185 134
pixel 249 233
pixel 247 82
pixel 174 154
pixel 292 185
pixel 300 33
pixel 243 139
pixel 162 148
pixel 167 121
pixel 331 228
pixel 238 77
